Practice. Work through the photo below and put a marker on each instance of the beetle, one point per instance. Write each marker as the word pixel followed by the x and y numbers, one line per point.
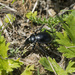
pixel 40 38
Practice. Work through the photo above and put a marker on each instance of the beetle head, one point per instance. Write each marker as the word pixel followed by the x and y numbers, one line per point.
pixel 31 39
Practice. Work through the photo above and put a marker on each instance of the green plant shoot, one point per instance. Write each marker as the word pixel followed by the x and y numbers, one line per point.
pixel 67 39
pixel 29 70
pixel 30 14
pixel 56 67
pixel 9 18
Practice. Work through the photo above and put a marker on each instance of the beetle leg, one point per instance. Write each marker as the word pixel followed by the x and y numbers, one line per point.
pixel 43 50
pixel 56 53
pixel 33 45
pixel 51 31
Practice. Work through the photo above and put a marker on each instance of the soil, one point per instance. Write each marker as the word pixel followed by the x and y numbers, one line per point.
pixel 21 28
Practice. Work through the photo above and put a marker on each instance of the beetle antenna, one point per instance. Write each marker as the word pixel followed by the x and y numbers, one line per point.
pixel 40 28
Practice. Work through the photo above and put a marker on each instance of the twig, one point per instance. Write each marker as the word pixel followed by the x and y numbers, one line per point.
pixel 70 46
pixel 8 7
pixel 51 65
pixel 34 8
pixel 62 62
pixel 4 30
pixel 9 19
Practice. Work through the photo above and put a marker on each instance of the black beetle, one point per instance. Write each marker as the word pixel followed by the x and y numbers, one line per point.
pixel 41 37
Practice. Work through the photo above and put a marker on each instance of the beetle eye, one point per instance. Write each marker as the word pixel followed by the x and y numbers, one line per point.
pixel 32 38
pixel 29 39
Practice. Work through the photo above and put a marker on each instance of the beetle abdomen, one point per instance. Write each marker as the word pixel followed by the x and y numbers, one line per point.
pixel 43 37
